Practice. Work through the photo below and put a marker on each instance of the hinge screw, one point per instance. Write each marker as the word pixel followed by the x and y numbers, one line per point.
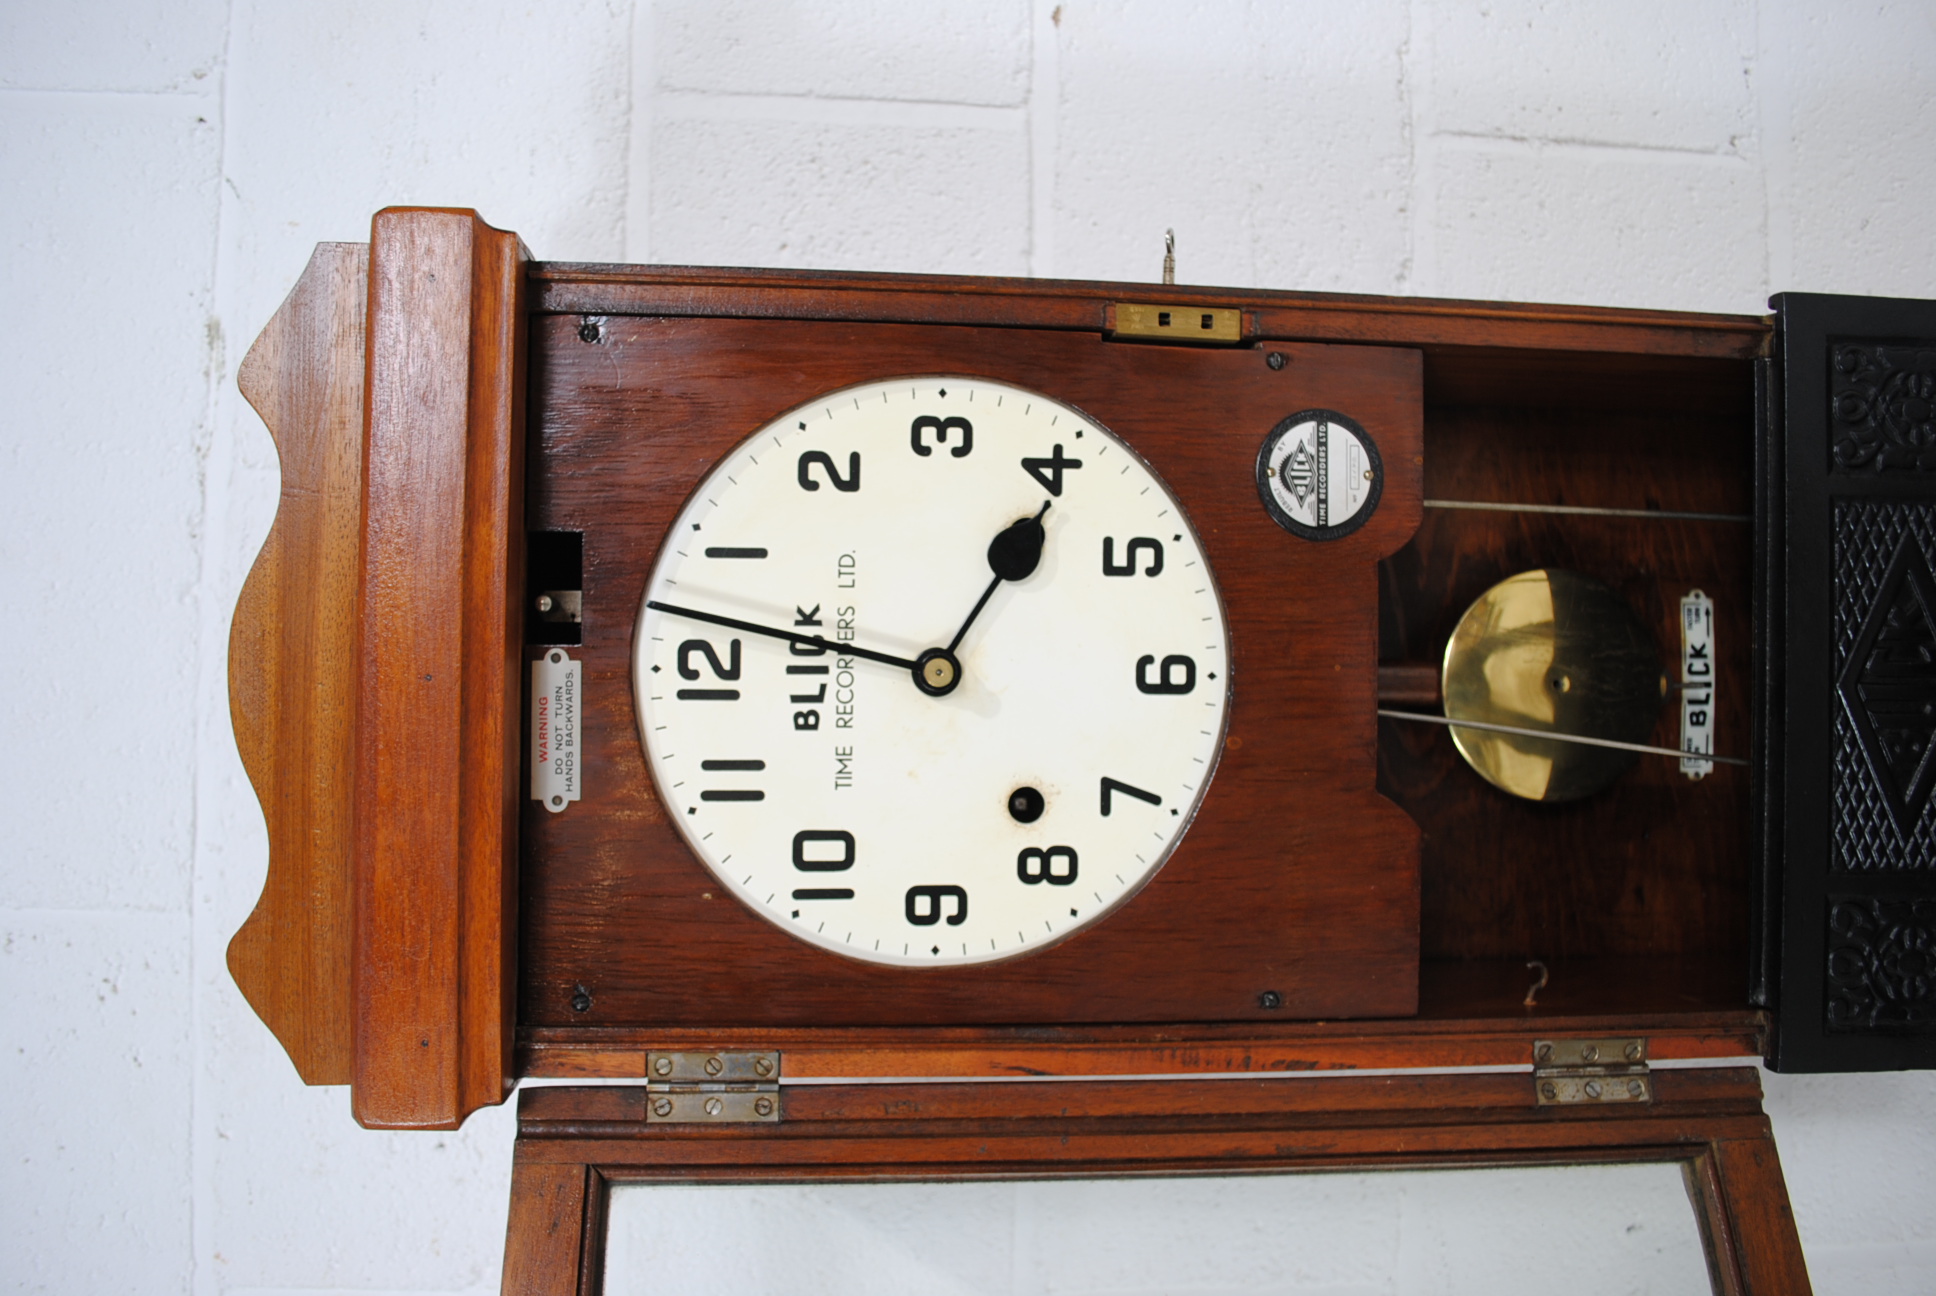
pixel 1635 1088
pixel 1593 1088
pixel 763 1066
pixel 1634 1051
pixel 1547 1090
pixel 663 1107
pixel 1589 1053
pixel 714 1106
pixel 1542 1052
pixel 662 1066
pixel 714 1066
pixel 764 1106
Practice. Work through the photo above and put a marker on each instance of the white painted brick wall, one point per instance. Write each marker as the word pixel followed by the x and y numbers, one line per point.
pixel 166 168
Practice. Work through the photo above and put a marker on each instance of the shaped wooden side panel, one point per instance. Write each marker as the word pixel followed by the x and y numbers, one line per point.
pixel 292 663
pixel 438 688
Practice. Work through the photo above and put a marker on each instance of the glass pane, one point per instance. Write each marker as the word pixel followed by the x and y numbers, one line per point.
pixel 1585 1230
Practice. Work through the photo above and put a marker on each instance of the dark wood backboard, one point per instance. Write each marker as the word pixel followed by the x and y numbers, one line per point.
pixel 1294 893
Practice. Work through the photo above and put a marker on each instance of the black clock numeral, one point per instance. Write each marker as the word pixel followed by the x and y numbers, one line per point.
pixel 1049 471
pixel 823 837
pixel 1177 674
pixel 726 670
pixel 941 427
pixel 851 482
pixel 1127 567
pixel 1110 785
pixel 925 905
pixel 1037 864
pixel 732 767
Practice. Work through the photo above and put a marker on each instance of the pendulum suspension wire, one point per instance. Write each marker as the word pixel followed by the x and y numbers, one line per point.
pixel 1559 737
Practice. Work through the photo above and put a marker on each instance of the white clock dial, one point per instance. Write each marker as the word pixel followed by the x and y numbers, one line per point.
pixel 931 785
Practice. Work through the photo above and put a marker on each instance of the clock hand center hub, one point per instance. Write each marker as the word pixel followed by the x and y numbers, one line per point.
pixel 936 672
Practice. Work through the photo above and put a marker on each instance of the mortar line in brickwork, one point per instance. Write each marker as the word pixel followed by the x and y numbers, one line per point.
pixel 814 110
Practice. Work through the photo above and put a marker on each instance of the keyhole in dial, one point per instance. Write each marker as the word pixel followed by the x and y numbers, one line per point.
pixel 1025 805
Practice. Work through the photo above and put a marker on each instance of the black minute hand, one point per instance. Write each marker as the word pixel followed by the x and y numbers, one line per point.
pixel 733 623
pixel 1012 555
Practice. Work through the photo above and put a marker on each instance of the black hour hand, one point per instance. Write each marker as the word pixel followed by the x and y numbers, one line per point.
pixel 1013 555
pixel 1017 547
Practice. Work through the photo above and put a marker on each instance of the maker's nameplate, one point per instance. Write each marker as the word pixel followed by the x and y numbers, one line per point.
pixel 555 685
pixel 1319 475
pixel 1697 683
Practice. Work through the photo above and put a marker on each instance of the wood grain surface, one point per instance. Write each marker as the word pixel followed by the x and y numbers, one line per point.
pixel 438 670
pixel 1296 879
pixel 1429 323
pixel 292 663
pixel 1656 865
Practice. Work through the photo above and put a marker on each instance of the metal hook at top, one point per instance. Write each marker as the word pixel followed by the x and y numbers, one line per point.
pixel 1169 256
pixel 1533 965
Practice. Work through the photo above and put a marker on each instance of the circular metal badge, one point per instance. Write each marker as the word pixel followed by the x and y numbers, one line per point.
pixel 1319 475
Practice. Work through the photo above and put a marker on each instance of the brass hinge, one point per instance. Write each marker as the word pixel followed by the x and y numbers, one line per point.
pixel 1197 325
pixel 1567 1072
pixel 717 1088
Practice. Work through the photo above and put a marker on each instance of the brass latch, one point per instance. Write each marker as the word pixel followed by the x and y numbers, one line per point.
pixel 712 1088
pixel 1567 1072
pixel 1199 325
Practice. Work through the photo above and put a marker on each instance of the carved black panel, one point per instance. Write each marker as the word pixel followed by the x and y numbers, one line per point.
pixel 1888 677
pixel 1885 727
pixel 1882 406
pixel 1881 965
pixel 1845 640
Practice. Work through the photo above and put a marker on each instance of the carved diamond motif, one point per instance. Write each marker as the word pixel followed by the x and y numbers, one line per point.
pixel 1888 684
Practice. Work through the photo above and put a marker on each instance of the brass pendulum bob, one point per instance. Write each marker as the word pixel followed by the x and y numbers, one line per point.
pixel 1553 652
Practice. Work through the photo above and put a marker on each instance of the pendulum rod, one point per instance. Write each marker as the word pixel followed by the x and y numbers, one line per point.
pixel 1559 737
pixel 1581 510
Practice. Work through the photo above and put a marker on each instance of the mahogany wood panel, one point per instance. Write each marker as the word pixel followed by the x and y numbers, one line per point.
pixel 857 1052
pixel 1296 878
pixel 1709 1120
pixel 438 670
pixel 666 291
pixel 554 1242
pixel 1742 1178
pixel 1657 865
pixel 292 663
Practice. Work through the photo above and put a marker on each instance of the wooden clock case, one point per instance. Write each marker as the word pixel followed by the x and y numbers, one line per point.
pixel 1351 898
